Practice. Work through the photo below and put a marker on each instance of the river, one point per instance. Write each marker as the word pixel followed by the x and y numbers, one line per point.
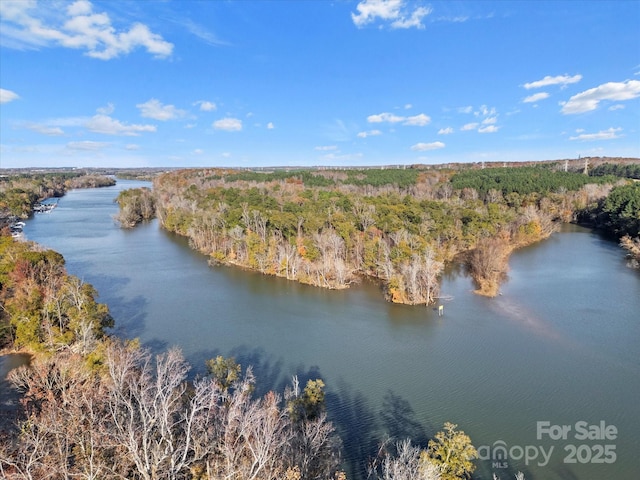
pixel 560 344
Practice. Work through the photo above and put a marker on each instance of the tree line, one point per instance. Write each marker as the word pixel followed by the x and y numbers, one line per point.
pixel 629 170
pixel 524 180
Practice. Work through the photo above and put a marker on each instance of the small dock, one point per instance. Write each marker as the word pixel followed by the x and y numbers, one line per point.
pixel 44 207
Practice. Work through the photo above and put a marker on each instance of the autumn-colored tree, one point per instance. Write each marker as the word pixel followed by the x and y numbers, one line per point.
pixel 224 371
pixel 487 263
pixel 452 451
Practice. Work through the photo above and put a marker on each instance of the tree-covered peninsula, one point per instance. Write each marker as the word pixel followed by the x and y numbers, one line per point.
pixel 397 226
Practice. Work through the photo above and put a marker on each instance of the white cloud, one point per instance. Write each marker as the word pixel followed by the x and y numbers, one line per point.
pixel 423 147
pixel 414 19
pixel 609 134
pixel 484 111
pixel 535 97
pixel 370 133
pixel 206 106
pixel 385 117
pixel 108 110
pixel 418 120
pixel 615 107
pixel 45 129
pixel 156 110
pixel 326 148
pixel 445 131
pixel 198 151
pixel 31 24
pixel 228 124
pixel 132 146
pixel 7 96
pixel 109 126
pixel 408 106
pixel 456 19
pixel 563 80
pixel 589 99
pixel 486 119
pixel 87 145
pixel 270 126
pixel 369 10
pixel 395 11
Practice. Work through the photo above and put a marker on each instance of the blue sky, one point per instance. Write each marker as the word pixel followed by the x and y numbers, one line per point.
pixel 285 82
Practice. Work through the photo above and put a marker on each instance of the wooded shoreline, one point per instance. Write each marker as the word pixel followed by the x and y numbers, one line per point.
pixel 329 228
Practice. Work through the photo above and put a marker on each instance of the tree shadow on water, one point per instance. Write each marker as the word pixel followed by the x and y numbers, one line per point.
pixel 267 368
pixel 356 425
pixel 129 317
pixel 365 429
pixel 156 346
pixel 400 422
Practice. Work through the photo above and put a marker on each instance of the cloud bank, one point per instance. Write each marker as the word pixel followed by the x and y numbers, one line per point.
pixel 33 24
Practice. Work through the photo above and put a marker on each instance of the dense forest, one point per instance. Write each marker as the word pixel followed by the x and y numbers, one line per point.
pixel 629 170
pixel 398 227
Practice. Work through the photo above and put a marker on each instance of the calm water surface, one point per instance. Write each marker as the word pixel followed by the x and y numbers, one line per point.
pixel 560 344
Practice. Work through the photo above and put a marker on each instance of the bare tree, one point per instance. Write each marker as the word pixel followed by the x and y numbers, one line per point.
pixel 409 463
pixel 152 418
pixel 420 277
pixel 314 448
pixel 64 434
pixel 141 419
pixel 365 214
